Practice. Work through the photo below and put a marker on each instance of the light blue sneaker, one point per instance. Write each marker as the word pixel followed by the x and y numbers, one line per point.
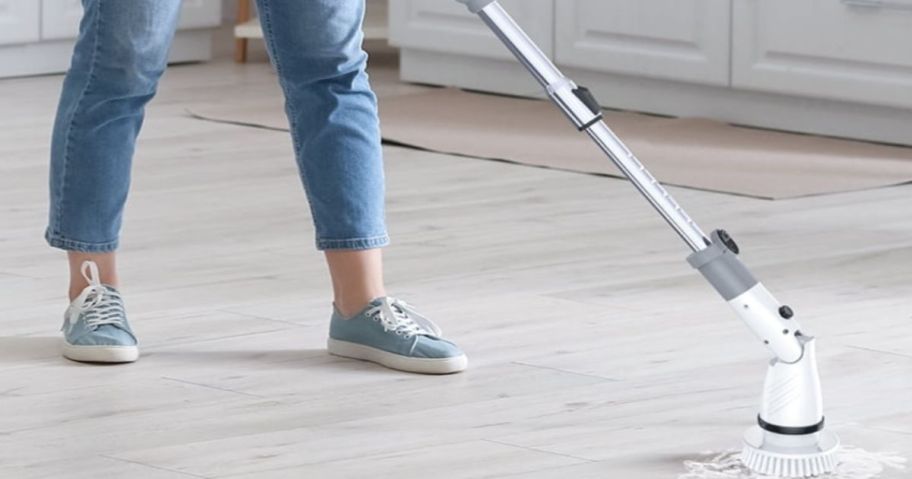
pixel 95 327
pixel 391 333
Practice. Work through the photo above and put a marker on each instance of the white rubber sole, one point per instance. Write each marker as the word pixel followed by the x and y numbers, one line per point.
pixel 100 354
pixel 350 350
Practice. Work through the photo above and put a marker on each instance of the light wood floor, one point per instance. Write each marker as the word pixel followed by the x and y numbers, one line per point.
pixel 596 352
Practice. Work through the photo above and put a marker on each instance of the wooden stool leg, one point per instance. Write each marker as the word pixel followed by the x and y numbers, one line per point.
pixel 240 44
pixel 240 50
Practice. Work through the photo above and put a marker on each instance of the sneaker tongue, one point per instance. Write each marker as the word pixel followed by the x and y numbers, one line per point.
pixel 428 327
pixel 396 308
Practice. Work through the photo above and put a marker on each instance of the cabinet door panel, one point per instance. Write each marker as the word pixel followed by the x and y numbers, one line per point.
pixel 825 48
pixel 20 21
pixel 675 39
pixel 60 18
pixel 200 14
pixel 447 26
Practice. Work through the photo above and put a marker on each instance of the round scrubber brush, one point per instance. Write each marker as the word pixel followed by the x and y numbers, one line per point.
pixel 787 455
pixel 789 440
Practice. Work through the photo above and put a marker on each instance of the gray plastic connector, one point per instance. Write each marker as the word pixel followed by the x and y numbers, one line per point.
pixel 722 268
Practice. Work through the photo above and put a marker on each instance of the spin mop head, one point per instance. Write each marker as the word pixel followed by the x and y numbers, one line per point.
pixel 789 440
pixel 789 456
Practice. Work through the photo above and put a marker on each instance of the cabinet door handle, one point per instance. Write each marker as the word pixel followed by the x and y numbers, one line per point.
pixel 880 4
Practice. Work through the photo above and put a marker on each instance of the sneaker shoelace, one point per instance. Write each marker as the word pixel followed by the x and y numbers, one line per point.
pixel 399 317
pixel 98 305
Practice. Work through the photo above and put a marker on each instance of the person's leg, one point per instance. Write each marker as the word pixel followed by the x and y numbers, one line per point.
pixel 357 278
pixel 107 268
pixel 315 46
pixel 119 56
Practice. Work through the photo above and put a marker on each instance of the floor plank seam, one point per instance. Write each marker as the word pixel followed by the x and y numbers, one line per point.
pixel 539 450
pixel 118 459
pixel 17 275
pixel 174 345
pixel 266 318
pixel 884 429
pixel 881 351
pixel 182 381
pixel 604 378
pixel 542 470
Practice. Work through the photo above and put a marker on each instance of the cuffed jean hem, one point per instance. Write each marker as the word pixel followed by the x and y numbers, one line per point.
pixel 354 243
pixel 80 246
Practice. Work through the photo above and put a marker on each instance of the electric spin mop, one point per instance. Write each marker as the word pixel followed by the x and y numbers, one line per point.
pixel 789 439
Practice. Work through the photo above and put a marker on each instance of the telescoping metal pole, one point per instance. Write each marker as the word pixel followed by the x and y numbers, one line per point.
pixel 583 110
pixel 715 256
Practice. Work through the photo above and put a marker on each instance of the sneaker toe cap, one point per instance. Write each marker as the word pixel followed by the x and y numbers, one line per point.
pixel 435 348
pixel 106 336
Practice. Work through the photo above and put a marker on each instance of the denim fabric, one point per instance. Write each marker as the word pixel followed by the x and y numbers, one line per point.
pixel 315 46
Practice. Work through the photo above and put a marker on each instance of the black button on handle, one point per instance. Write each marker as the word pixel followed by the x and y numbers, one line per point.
pixel 728 241
pixel 786 312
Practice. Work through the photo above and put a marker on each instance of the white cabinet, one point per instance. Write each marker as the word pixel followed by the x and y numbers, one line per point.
pixel 856 50
pixel 36 36
pixel 200 14
pixel 834 67
pixel 441 42
pixel 447 26
pixel 60 18
pixel 19 21
pixel 675 39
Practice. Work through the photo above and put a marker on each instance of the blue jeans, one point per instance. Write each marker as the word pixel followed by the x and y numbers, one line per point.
pixel 315 46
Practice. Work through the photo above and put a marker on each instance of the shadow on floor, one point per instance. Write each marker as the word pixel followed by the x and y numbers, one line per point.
pixel 27 349
pixel 264 358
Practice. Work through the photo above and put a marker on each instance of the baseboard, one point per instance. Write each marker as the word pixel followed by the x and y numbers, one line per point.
pixel 754 108
pixel 54 56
